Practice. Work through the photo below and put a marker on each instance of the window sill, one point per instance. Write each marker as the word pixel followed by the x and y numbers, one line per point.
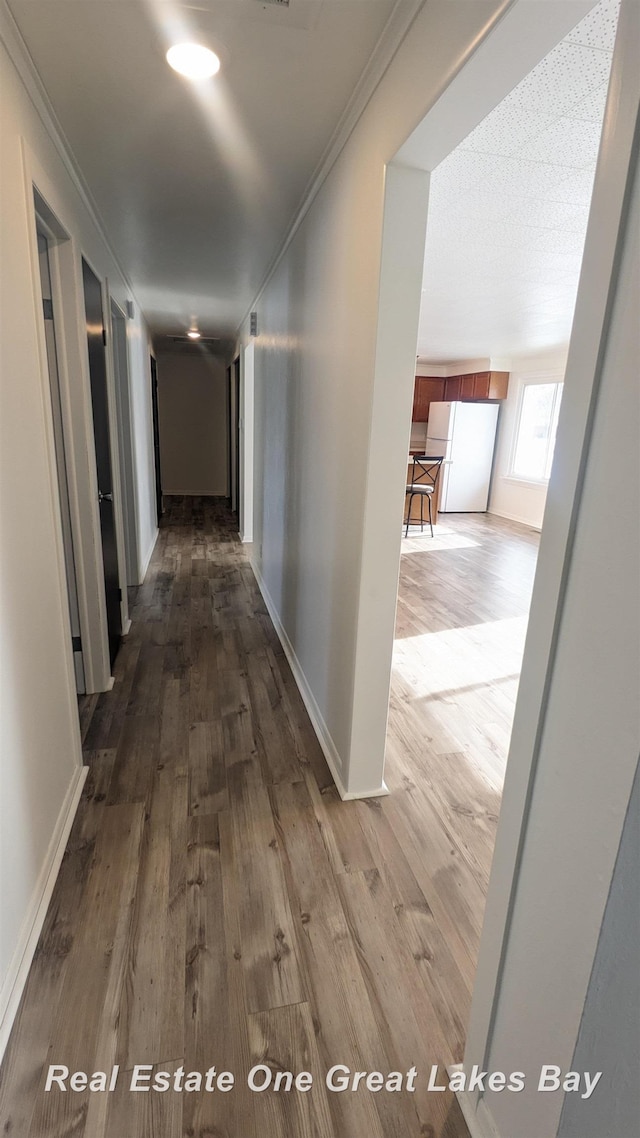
pixel 534 483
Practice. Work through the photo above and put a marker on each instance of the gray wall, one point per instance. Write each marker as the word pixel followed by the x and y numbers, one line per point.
pixel 192 406
pixel 609 1039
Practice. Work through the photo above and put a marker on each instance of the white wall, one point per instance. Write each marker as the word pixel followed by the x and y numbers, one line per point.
pixel 39 733
pixel 609 1038
pixel 192 406
pixel 510 497
pixel 314 377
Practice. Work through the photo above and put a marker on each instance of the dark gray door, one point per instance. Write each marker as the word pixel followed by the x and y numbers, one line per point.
pixel 156 437
pixel 96 339
pixel 236 426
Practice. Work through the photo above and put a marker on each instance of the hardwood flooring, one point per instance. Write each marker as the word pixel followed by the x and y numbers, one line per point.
pixel 219 905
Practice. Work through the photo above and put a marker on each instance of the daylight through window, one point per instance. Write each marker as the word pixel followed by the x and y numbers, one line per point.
pixel 536 434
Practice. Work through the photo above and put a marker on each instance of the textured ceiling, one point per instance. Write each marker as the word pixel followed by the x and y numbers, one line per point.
pixel 508 208
pixel 197 183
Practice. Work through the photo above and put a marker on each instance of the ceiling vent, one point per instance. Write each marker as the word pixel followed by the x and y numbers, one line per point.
pixel 278 3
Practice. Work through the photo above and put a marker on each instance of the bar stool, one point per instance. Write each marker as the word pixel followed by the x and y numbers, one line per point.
pixel 424 479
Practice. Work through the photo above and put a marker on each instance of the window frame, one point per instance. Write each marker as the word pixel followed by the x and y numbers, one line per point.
pixel 541 379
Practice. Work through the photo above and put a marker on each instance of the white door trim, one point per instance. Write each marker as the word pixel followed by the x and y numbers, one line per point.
pixel 65 262
pixel 247 380
pixel 583 373
pixel 122 373
pixel 598 278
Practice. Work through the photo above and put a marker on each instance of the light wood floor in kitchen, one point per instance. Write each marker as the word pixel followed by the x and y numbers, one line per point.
pixel 218 903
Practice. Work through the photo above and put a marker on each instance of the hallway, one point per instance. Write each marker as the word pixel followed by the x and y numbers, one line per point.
pixel 218 904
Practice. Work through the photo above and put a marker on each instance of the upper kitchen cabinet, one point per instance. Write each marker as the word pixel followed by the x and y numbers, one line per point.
pixel 452 388
pixel 489 385
pixel 428 389
pixel 467 387
pixel 476 385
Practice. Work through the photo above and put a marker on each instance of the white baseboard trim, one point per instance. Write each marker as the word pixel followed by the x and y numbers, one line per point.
pixel 515 518
pixel 378 792
pixel 127 627
pixel 110 683
pixel 16 977
pixel 478 1120
pixel 319 726
pixel 142 569
pixel 476 1115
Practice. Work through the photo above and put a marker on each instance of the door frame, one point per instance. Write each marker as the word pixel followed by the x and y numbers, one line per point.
pixel 228 374
pixel 66 273
pixel 247 441
pixel 117 469
pixel 406 188
pixel 94 298
pixel 44 230
pixel 236 434
pixel 233 404
pixel 155 427
pixel 122 390
pixel 514 45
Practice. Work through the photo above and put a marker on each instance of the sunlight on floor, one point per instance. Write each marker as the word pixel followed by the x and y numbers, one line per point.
pixel 462 682
pixel 461 658
pixel 444 538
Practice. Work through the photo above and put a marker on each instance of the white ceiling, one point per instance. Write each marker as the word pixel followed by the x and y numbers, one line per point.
pixel 508 209
pixel 197 184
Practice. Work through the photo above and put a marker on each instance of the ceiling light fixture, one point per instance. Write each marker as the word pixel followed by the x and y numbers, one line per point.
pixel 193 334
pixel 193 60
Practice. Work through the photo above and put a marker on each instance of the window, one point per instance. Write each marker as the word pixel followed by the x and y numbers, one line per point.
pixel 536 433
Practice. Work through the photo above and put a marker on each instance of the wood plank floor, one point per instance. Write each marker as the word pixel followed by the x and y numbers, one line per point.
pixel 219 905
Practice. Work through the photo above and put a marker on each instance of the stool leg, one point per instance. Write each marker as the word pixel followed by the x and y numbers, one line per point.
pixel 421 513
pixel 430 521
pixel 406 532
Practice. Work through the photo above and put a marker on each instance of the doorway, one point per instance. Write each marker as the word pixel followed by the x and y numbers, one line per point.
pixel 156 438
pixel 233 374
pixel 246 421
pixel 463 912
pixel 45 238
pixel 236 430
pixel 96 341
pixel 125 440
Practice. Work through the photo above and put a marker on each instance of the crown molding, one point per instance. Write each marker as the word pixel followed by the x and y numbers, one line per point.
pixel 12 39
pixel 394 32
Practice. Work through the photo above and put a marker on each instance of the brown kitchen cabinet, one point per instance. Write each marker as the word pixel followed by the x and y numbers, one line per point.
pixel 490 385
pixel 467 387
pixel 452 388
pixel 476 385
pixel 428 389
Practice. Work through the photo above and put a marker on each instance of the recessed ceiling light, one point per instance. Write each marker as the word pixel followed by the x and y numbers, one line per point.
pixel 193 334
pixel 193 60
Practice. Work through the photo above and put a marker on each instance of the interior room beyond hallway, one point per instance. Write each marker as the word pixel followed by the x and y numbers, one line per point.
pixel 463 606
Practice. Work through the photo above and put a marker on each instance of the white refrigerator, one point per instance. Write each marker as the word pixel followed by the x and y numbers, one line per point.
pixel 464 434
